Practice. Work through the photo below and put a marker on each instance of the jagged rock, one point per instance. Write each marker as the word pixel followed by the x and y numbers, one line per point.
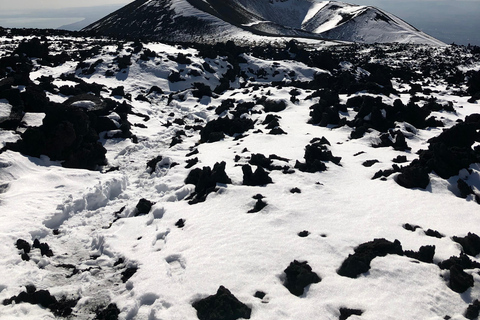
pixel 400 159
pixel 221 306
pixel 180 223
pixel 459 281
pixel 62 308
pixel 359 262
pixel 23 245
pixel 470 243
pixel 44 248
pixel 128 273
pixel 295 190
pixel 315 153
pixel 347 312
pixel 413 176
pixel 206 179
pixel 303 234
pixel 473 310
pixel 434 233
pixel 462 261
pixel 409 227
pixel 111 312
pixel 258 178
pixel 215 130
pixel 152 164
pixel 143 207
pixel 298 276
pixel 464 188
pixel 424 254
pixel 369 163
pixel 259 205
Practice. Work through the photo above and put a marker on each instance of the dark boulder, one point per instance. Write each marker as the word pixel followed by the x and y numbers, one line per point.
pixel 258 178
pixel 359 262
pixel 424 254
pixel 128 273
pixel 215 130
pixel 221 306
pixel 347 312
pixel 470 244
pixel 111 312
pixel 298 276
pixel 462 261
pixel 413 176
pixel 473 310
pixel 143 207
pixel 205 180
pixel 459 281
pixel 315 154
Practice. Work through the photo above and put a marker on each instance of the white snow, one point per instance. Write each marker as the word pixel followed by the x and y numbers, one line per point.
pixel 221 244
pixel 5 109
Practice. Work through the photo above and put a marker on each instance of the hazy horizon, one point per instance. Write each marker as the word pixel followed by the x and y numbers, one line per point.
pixel 448 21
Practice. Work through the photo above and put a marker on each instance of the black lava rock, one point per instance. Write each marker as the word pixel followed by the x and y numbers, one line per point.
pixel 470 244
pixel 205 180
pixel 424 254
pixel 359 262
pixel 143 207
pixel 180 223
pixel 259 205
pixel 473 310
pixel 315 154
pixel 23 245
pixel 44 248
pixel 462 261
pixel 298 276
pixel 111 312
pixel 258 178
pixel 221 306
pixel 152 164
pixel 128 273
pixel 459 281
pixel 347 312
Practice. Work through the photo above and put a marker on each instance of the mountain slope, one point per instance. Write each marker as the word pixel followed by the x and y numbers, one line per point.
pixel 237 170
pixel 213 20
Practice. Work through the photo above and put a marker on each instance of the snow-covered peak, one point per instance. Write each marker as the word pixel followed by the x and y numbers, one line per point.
pixel 220 20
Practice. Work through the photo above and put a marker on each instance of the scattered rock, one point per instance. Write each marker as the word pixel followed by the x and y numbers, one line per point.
pixel 359 262
pixel 221 306
pixel 259 205
pixel 44 248
pixel 473 310
pixel 152 164
pixel 434 233
pixel 258 178
pixel 111 312
pixel 128 273
pixel 143 207
pixel 205 180
pixel 346 312
pixel 470 244
pixel 459 281
pixel 180 223
pixel 298 276
pixel 369 163
pixel 424 254
pixel 303 234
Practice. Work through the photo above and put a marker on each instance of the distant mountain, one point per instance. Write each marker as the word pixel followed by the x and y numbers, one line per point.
pixel 206 20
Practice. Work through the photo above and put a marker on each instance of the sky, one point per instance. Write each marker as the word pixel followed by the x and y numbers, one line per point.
pixel 449 21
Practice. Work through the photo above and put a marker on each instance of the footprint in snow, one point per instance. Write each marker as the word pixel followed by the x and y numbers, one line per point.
pixel 176 266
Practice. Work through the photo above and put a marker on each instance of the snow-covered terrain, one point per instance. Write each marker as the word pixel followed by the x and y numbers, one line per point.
pixel 171 210
pixel 251 20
